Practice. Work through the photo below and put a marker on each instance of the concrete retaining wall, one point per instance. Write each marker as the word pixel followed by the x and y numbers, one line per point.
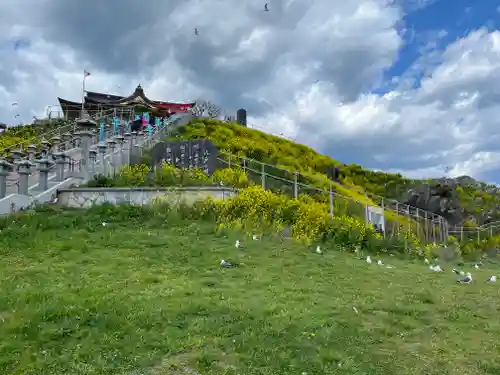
pixel 88 197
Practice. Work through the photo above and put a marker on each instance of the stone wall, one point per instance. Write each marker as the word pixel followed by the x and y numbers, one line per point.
pixel 88 197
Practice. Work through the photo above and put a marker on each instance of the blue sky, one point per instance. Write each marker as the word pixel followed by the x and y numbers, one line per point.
pixel 437 25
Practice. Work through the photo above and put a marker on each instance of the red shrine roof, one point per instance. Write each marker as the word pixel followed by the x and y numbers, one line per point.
pixel 137 98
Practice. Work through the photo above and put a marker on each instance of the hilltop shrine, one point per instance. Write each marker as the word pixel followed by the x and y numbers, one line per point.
pixel 95 102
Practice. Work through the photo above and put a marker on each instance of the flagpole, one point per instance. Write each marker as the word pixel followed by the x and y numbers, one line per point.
pixel 83 93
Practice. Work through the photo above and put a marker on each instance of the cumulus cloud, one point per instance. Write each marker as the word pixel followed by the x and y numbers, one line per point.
pixel 306 69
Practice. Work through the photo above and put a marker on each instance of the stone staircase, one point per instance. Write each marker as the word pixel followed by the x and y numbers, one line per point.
pixel 71 157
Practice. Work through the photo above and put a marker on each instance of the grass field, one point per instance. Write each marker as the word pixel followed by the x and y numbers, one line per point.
pixel 147 296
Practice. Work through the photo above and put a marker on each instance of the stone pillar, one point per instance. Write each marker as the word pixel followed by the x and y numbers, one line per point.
pixel 102 148
pixel 92 161
pixel 67 140
pixel 60 165
pixel 112 146
pixel 56 143
pixel 75 142
pixel 5 168
pixel 24 170
pixel 45 147
pixel 17 155
pixel 43 168
pixel 87 126
pixel 32 152
pixel 120 139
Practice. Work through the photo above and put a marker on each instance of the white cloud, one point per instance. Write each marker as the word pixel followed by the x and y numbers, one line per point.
pixel 302 69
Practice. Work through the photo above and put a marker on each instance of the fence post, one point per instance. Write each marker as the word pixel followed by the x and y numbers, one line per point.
pixel 331 199
pixel 433 229
pixel 445 231
pixel 382 204
pixel 396 222
pixel 295 186
pixel 417 214
pixel 425 227
pixel 462 233
pixel 408 229
pixel 263 176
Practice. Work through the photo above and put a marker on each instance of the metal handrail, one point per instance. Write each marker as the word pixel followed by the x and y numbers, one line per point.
pixel 431 215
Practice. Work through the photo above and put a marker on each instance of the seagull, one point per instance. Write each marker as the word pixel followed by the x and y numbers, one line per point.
pixel 436 268
pixel 16 116
pixel 237 244
pixel 492 279
pixel 15 103
pixel 226 264
pixel 104 223
pixel 380 263
pixel 461 273
pixel 476 266
pixel 368 260
pixel 318 250
pixel 266 9
pixel 255 237
pixel 426 261
pixel 195 31
pixel 465 280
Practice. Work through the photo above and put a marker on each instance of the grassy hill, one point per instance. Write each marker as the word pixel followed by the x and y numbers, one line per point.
pixel 475 198
pixel 13 137
pixel 143 294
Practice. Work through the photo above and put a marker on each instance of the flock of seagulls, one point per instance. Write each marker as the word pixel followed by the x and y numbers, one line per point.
pixel 466 277
pixel 266 9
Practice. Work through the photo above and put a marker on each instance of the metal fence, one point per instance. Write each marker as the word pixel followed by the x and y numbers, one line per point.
pixel 391 218
pixel 477 234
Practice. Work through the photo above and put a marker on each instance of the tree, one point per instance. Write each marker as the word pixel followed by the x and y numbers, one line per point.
pixel 199 108
pixel 213 110
pixel 206 108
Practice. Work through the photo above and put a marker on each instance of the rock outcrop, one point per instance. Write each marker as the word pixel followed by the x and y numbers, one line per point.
pixel 440 198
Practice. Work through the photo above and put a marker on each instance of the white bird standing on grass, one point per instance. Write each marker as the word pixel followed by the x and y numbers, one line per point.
pixel 226 264
pixel 318 250
pixel 368 260
pixel 426 261
pixel 380 263
pixel 237 244
pixel 476 266
pixel 436 268
pixel 492 279
pixel 255 237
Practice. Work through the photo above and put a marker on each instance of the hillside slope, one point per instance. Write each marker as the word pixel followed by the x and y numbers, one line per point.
pixel 475 198
pixel 14 137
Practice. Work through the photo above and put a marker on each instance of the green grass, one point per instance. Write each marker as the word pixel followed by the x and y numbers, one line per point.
pixel 145 295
